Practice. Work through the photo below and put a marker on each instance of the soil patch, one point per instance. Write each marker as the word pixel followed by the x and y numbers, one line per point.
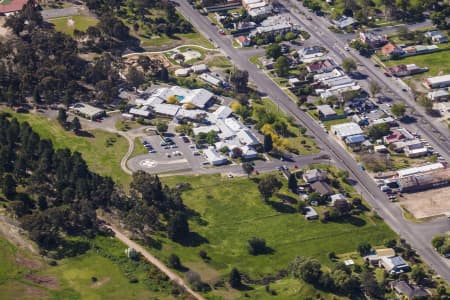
pixel 43 280
pixel 100 282
pixel 32 264
pixel 427 204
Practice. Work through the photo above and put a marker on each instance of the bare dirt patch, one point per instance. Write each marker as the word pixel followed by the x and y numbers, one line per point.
pixel 15 235
pixel 208 274
pixel 100 282
pixel 43 280
pixel 428 203
pixel 31 264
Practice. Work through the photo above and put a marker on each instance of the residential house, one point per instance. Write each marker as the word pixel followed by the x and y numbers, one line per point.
pixel 322 188
pixel 420 49
pixel 345 130
pixel 420 169
pixel 355 141
pixel 314 175
pixel 406 70
pixel 244 26
pixel 407 291
pixel 436 36
pixel 275 25
pixel 394 264
pixel 344 22
pixel 340 202
pixel 183 72
pixel 267 63
pixel 293 82
pixel 243 41
pixel 439 95
pixel 211 79
pixel 11 7
pixel 398 134
pixel 372 40
pixel 309 54
pixel 322 66
pixel 391 49
pixel 310 213
pixel 437 82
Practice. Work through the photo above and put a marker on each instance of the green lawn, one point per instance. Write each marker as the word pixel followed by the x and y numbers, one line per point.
pixel 438 63
pixel 220 62
pixel 232 211
pixel 102 152
pixel 108 265
pixel 80 22
pixel 138 148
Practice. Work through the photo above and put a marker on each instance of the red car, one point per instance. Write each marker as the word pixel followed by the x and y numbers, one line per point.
pixel 387 74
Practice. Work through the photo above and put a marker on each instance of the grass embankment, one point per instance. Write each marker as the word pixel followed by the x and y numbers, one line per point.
pixel 79 22
pixel 231 212
pixel 102 151
pixel 72 278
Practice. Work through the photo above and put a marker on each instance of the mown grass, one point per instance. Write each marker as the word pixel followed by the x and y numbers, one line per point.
pixel 219 62
pixel 231 212
pixel 138 149
pixel 438 63
pixel 102 151
pixel 80 22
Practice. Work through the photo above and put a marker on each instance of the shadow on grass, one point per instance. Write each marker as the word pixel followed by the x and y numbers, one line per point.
pixel 84 133
pixel 287 198
pixel 193 240
pixel 244 288
pixel 281 207
pixel 351 220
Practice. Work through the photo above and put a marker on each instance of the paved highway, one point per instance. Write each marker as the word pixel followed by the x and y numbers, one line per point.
pixel 418 235
pixel 428 127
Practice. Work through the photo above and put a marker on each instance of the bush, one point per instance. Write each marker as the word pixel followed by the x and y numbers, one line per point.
pixel 174 261
pixel 256 246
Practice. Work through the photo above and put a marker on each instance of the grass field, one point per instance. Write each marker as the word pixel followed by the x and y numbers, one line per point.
pixel 219 62
pixel 73 276
pixel 102 152
pixel 138 148
pixel 80 22
pixel 438 63
pixel 232 211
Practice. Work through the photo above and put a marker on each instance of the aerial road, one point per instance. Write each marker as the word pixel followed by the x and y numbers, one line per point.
pixel 418 235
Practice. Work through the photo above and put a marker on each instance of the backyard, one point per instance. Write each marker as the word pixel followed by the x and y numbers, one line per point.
pixel 79 22
pixel 231 211
pixel 438 63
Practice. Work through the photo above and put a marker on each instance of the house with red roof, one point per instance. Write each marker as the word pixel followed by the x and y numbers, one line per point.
pixel 243 41
pixel 12 6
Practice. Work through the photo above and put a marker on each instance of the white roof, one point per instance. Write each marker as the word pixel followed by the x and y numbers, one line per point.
pixel 190 113
pixel 143 112
pixel 336 81
pixel 439 79
pixel 210 79
pixel 225 131
pixel 200 68
pixel 437 93
pixel 420 169
pixel 234 124
pixel 166 109
pixel 87 109
pixel 346 129
pixel 214 157
pixel 182 72
pixel 222 112
pixel 332 74
pixel 246 137
pixel 198 97
pixel 205 129
pixel 326 110
pixel 150 101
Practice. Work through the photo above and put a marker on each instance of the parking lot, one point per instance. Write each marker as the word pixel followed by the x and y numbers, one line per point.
pixel 176 154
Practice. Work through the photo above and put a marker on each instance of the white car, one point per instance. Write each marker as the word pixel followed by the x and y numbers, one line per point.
pixel 230 175
pixel 347 48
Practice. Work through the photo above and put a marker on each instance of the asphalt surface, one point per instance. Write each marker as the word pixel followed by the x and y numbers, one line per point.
pixel 418 235
pixel 427 126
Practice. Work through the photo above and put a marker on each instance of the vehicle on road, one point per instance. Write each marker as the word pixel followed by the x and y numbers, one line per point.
pixel 387 74
pixel 347 48
pixel 376 65
pixel 230 175
pixel 362 167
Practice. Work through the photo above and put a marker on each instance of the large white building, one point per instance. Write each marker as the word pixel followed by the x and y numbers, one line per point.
pixel 437 82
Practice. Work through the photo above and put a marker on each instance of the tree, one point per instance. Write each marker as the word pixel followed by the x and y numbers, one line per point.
pixel 374 88
pixel 235 279
pixel 9 186
pixel 135 77
pixel 348 65
pixel 178 228
pixel 62 117
pixel 364 248
pixel 42 202
pixel 174 261
pixel 36 96
pixel 418 274
pixel 281 66
pixel 256 246
pixel 273 51
pixel 310 270
pixel 292 183
pixel 345 282
pixel 75 125
pixel 438 241
pixel 248 168
pixel 162 127
pixel 268 185
pixel 268 143
pixel 239 80
pixel 425 103
pixel 398 109
pixel 369 284
pixel 377 131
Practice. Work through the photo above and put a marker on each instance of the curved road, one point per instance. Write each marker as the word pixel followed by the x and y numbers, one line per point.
pixel 154 261
pixel 418 235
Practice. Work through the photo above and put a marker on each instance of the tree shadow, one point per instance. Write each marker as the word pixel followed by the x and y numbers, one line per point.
pixel 350 181
pixel 243 288
pixel 287 198
pixel 408 120
pixel 193 240
pixel 281 207
pixel 84 133
pixel 358 222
